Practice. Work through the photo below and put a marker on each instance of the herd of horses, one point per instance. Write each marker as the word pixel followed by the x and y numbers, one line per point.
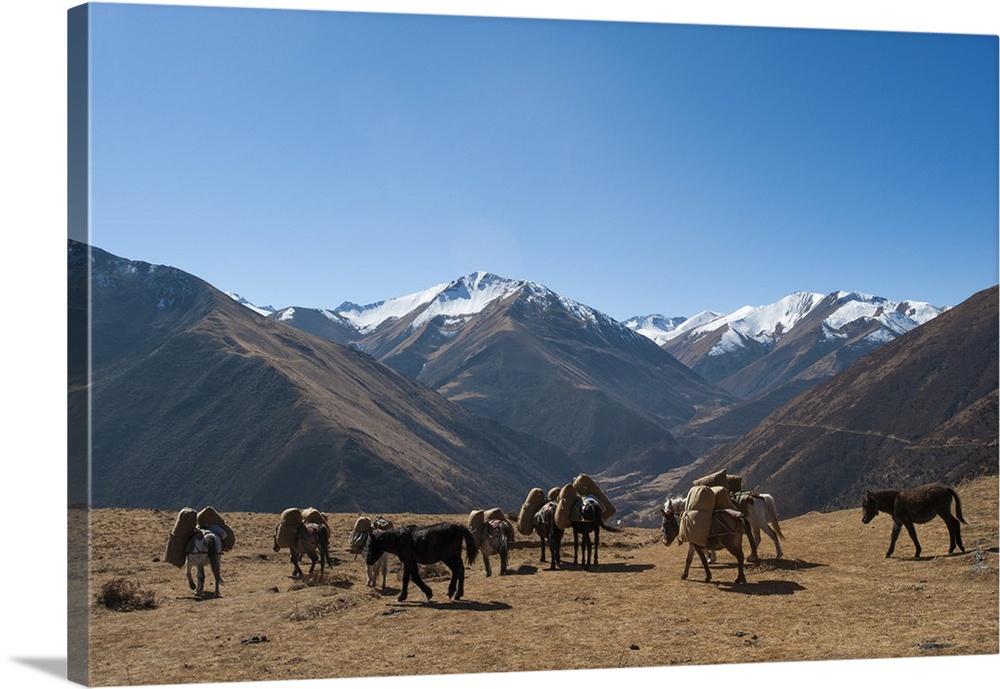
pixel 444 542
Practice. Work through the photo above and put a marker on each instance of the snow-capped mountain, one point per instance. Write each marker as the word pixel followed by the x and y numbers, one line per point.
pixel 262 310
pixel 656 326
pixel 723 348
pixel 521 354
pixel 456 303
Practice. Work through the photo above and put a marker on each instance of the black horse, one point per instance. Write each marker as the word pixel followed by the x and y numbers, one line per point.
pixel 425 545
pixel 588 522
pixel 916 506
pixel 549 533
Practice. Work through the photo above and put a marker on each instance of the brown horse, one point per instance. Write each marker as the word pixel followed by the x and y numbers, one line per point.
pixel 916 506
pixel 727 531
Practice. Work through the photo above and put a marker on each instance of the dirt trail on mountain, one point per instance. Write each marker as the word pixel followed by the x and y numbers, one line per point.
pixel 834 596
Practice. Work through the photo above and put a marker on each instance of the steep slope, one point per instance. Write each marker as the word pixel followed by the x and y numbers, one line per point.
pixel 197 400
pixel 922 407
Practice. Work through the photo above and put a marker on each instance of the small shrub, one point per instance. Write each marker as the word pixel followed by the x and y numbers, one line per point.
pixel 124 596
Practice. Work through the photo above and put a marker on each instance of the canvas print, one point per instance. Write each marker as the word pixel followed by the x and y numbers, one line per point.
pixel 426 345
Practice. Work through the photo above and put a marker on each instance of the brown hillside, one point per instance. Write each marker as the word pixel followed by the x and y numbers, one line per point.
pixel 919 408
pixel 834 597
pixel 194 398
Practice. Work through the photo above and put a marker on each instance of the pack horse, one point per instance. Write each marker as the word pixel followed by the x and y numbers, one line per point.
pixel 204 549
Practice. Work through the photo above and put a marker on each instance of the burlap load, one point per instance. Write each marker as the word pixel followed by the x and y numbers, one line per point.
pixel 314 516
pixel 696 522
pixel 587 486
pixel 564 506
pixel 735 483
pixel 719 478
pixel 553 495
pixel 210 519
pixel 184 526
pixel 496 514
pixel 534 502
pixel 722 499
pixel 289 526
pixel 476 520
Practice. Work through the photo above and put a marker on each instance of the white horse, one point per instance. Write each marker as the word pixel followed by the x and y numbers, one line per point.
pixel 204 548
pixel 760 510
pixel 495 537
pixel 363 528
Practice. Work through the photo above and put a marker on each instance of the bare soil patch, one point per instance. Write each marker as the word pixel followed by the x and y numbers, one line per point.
pixel 834 596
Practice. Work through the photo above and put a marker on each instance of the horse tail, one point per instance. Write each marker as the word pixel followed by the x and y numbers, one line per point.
pixel 470 545
pixel 772 514
pixel 958 506
pixel 214 544
pixel 324 544
pixel 610 528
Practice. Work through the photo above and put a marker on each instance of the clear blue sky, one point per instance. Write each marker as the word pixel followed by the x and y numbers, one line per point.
pixel 306 158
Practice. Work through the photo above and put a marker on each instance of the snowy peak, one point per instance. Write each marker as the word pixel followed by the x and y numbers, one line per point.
pixel 770 323
pixel 460 300
pixel 656 326
pixel 262 310
pixel 468 296
pixel 367 318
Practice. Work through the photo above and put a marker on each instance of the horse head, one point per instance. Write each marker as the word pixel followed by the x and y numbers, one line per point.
pixel 669 528
pixel 869 507
pixel 373 547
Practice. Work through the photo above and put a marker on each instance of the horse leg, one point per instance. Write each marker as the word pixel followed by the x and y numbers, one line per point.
pixel 913 536
pixel 772 535
pixel 687 561
pixel 456 585
pixel 190 580
pixel 503 558
pixel 201 580
pixel 458 573
pixel 753 544
pixel 215 559
pixel 735 546
pixel 954 532
pixel 597 544
pixel 704 563
pixel 576 545
pixel 896 526
pixel 415 576
pixel 296 571
pixel 541 539
pixel 406 580
pixel 489 570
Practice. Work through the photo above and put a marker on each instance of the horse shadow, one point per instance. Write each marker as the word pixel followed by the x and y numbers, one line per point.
pixel 475 606
pixel 786 565
pixel 604 567
pixel 766 587
pixel 523 569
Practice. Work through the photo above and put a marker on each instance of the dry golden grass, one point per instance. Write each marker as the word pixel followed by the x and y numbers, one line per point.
pixel 834 596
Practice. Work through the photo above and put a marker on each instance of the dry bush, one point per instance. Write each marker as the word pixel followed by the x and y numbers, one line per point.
pixel 124 595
